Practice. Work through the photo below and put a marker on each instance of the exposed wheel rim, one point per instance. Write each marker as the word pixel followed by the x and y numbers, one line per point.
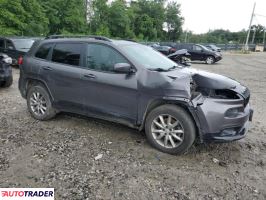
pixel 38 104
pixel 167 131
pixel 210 60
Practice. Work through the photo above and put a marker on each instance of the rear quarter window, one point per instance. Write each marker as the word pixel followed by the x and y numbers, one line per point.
pixel 43 51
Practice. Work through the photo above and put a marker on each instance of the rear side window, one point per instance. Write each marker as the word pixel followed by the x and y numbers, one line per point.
pixel 67 53
pixel 43 51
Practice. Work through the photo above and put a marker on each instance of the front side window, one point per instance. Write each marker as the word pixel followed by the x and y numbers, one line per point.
pixel 43 51
pixel 67 53
pixel 197 48
pixel 103 58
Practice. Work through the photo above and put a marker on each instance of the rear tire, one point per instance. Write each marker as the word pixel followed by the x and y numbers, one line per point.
pixel 39 103
pixel 170 129
pixel 8 82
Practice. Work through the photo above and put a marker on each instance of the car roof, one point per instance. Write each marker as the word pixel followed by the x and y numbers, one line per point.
pixel 19 38
pixel 84 39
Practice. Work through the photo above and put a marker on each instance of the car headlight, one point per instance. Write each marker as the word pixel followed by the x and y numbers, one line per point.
pixel 233 112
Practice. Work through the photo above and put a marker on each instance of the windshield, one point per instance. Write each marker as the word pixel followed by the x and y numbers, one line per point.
pixel 23 43
pixel 148 57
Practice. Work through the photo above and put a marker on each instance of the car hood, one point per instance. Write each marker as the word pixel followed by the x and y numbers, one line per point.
pixel 207 79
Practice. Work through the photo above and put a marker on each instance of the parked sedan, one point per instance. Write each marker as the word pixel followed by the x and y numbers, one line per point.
pixel 200 53
pixel 166 50
pixel 15 47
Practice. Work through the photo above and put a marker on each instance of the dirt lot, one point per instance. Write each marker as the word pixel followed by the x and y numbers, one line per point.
pixel 61 153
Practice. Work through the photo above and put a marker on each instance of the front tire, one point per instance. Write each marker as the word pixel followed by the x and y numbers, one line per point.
pixel 39 103
pixel 170 129
pixel 210 60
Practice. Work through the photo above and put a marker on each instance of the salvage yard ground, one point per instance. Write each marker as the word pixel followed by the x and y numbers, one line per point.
pixel 61 153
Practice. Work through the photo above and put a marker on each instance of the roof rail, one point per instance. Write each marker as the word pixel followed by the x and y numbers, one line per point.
pixel 96 37
pixel 131 40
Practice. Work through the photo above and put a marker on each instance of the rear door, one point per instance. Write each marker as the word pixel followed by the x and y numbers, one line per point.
pixel 62 75
pixel 106 92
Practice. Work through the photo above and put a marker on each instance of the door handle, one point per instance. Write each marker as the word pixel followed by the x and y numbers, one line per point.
pixel 47 68
pixel 90 76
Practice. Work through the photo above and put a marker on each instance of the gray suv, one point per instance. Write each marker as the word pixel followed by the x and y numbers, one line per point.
pixel 132 84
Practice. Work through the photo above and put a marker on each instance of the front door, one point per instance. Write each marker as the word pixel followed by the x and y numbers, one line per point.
pixel 106 92
pixel 197 53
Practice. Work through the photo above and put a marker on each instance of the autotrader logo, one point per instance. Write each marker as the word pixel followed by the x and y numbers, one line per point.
pixel 27 193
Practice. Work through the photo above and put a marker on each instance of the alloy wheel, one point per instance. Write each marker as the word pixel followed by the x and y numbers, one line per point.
pixel 167 131
pixel 210 60
pixel 38 104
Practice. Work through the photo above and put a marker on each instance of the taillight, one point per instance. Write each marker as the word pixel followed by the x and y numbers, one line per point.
pixel 20 60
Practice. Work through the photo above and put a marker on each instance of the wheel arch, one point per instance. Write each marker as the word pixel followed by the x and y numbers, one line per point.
pixel 185 104
pixel 33 82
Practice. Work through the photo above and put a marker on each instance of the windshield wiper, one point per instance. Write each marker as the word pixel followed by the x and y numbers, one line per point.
pixel 158 69
pixel 174 67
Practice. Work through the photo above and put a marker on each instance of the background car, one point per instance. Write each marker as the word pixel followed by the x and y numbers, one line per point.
pixel 166 50
pixel 6 78
pixel 200 53
pixel 213 47
pixel 15 47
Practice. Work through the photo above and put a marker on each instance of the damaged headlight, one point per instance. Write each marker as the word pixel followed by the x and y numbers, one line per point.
pixel 234 112
pixel 218 93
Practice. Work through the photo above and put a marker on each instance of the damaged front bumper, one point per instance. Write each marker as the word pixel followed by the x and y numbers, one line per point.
pixel 222 120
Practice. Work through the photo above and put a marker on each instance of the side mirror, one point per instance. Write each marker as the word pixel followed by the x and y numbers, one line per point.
pixel 123 68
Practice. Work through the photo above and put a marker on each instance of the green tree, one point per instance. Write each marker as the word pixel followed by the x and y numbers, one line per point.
pixel 37 22
pixel 174 21
pixel 12 18
pixel 98 22
pixel 22 17
pixel 65 16
pixel 119 21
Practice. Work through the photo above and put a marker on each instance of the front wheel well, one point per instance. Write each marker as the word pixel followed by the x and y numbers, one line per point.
pixel 181 104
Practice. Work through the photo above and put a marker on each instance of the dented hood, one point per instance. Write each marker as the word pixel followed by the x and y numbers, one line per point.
pixel 208 80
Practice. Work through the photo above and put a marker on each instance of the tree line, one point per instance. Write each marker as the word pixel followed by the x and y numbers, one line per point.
pixel 221 36
pixel 142 20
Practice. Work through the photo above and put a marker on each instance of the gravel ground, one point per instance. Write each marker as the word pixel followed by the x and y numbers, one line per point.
pixel 61 153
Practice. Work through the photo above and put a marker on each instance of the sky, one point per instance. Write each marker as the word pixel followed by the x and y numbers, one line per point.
pixel 234 15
